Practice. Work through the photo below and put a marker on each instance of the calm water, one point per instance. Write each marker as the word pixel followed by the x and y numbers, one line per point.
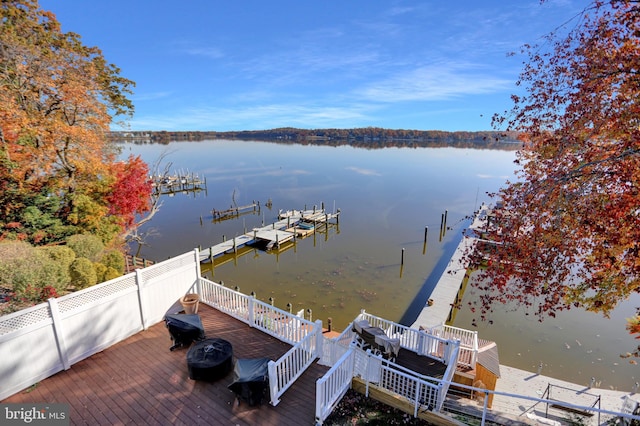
pixel 387 197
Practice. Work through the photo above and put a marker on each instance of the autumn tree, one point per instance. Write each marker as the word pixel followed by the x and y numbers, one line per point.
pixel 59 174
pixel 569 229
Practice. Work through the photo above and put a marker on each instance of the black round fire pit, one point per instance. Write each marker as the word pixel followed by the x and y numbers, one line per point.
pixel 210 359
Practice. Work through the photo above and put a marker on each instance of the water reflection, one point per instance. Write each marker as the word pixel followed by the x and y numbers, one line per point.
pixel 388 197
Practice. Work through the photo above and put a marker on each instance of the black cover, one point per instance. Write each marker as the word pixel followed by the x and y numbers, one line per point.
pixel 184 329
pixel 210 359
pixel 251 380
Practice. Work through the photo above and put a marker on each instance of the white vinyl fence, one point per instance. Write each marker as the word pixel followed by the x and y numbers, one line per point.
pixel 39 341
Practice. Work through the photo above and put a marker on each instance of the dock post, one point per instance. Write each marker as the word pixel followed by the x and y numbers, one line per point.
pixel 234 245
pixel 424 245
pixel 271 300
pixel 329 324
pixel 402 257
pixel 322 206
pixel 289 307
pixel 224 238
pixel 309 312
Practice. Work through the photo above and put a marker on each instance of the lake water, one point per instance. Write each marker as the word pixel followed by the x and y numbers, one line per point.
pixel 387 197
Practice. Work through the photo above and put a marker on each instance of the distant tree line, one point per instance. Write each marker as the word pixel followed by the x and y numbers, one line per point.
pixel 367 137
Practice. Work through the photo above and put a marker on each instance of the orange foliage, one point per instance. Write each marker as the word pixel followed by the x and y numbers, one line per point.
pixel 57 97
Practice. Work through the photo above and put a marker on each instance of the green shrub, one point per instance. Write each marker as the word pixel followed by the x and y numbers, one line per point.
pixel 13 255
pixel 100 271
pixel 28 270
pixel 115 260
pixel 57 271
pixel 83 273
pixel 87 246
pixel 111 273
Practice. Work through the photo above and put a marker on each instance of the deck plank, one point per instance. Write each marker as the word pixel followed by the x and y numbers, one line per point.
pixel 139 381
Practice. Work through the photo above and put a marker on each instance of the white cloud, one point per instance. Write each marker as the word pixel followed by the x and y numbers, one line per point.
pixel 433 83
pixel 209 52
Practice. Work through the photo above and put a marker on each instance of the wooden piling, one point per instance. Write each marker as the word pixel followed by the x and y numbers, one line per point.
pixel 424 245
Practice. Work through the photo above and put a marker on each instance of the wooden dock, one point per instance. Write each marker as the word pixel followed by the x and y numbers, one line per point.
pixel 132 263
pixel 291 224
pixel 447 292
pixel 168 185
pixel 233 212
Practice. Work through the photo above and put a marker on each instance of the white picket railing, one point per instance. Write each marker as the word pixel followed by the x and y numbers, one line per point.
pixel 418 341
pixel 334 384
pixel 278 323
pixel 284 372
pixel 333 349
pixel 422 391
pixel 468 342
pixel 305 336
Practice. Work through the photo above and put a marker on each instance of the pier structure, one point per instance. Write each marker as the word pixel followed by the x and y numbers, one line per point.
pixel 290 225
pixel 446 294
pixel 179 182
pixel 237 211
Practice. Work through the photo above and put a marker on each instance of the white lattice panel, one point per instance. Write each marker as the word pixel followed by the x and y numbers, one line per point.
pixel 25 318
pixel 99 292
pixel 168 266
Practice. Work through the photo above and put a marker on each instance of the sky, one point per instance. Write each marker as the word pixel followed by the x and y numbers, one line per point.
pixel 255 64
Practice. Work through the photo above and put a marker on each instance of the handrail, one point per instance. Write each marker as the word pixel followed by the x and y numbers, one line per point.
pixel 280 324
pixel 286 370
pixel 331 387
pixel 333 349
pixel 418 341
pixel 447 378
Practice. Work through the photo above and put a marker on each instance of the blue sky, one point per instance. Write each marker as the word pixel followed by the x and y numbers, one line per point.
pixel 256 64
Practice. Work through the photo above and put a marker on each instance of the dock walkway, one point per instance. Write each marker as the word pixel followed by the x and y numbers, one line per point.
pixel 445 294
pixel 290 225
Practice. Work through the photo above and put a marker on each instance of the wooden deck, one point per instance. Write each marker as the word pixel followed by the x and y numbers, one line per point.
pixel 139 381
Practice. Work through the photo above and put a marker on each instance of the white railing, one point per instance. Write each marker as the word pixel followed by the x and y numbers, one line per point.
pixel 284 372
pixel 534 410
pixel 468 342
pixel 37 342
pixel 331 387
pixel 447 378
pixel 423 392
pixel 305 336
pixel 333 349
pixel 231 302
pixel 280 324
pixel 418 341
